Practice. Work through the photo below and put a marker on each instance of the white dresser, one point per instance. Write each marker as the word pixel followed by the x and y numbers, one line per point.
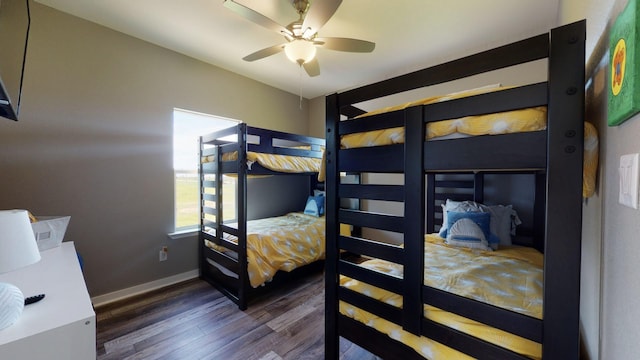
pixel 60 326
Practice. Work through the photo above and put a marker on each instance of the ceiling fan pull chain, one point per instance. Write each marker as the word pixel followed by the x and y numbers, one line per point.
pixel 300 84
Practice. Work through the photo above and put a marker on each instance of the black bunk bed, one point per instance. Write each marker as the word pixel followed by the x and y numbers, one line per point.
pixel 552 157
pixel 223 249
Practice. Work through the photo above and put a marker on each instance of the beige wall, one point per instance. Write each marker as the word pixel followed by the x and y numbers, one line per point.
pixel 610 290
pixel 94 141
pixel 317 111
pixel 620 228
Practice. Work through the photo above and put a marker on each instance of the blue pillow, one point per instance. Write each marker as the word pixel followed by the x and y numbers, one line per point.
pixel 467 235
pixel 483 220
pixel 314 206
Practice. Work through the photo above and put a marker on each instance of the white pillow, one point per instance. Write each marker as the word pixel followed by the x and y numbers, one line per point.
pixel 504 220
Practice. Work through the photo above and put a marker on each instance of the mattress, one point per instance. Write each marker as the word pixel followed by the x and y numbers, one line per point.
pixel 280 243
pixel 274 162
pixel 530 119
pixel 510 278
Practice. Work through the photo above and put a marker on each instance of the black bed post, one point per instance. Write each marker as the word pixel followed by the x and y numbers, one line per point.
pixel 332 179
pixel 478 187
pixel 201 260
pixel 564 193
pixel 539 210
pixel 414 220
pixel 430 206
pixel 243 275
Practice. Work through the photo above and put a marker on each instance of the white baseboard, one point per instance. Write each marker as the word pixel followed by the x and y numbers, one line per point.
pixel 105 299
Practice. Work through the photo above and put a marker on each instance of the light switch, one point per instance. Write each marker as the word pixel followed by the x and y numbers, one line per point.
pixel 629 180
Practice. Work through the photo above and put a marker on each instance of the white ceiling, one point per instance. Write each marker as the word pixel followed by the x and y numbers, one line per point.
pixel 409 34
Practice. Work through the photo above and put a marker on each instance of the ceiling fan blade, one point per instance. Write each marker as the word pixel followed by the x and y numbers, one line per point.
pixel 318 14
pixel 271 50
pixel 312 67
pixel 256 17
pixel 345 44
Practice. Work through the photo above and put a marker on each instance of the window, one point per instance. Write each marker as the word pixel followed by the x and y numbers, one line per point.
pixel 187 127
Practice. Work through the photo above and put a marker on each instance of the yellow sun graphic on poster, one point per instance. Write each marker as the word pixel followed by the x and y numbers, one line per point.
pixel 617 66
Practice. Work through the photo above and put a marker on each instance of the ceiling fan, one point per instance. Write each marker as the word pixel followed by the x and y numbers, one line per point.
pixel 302 34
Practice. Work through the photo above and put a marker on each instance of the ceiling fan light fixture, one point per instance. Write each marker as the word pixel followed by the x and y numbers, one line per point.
pixel 300 51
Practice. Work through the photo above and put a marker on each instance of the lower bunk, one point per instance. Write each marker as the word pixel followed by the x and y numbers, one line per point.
pixel 510 278
pixel 277 250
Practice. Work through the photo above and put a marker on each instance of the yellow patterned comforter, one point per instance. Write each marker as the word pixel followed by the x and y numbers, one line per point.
pixel 510 278
pixel 281 243
pixel 281 163
pixel 531 119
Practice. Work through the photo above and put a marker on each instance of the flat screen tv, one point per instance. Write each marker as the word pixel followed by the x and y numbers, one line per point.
pixel 14 33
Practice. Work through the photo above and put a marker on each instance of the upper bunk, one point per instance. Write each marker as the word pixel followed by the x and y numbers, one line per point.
pixel 557 99
pixel 265 152
pixel 239 153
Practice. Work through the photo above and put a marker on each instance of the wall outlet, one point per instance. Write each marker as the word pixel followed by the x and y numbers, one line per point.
pixel 164 253
pixel 629 180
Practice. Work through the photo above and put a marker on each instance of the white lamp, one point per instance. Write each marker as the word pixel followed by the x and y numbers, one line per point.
pixel 300 51
pixel 18 248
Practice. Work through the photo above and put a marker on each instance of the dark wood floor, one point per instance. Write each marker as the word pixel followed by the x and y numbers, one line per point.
pixel 192 320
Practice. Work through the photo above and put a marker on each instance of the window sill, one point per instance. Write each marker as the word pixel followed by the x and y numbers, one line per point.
pixel 183 234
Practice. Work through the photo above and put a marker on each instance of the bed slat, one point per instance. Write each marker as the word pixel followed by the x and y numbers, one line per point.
pixel 493 102
pixel 374 341
pixel 374 159
pixel 229 167
pixel 209 197
pixel 371 220
pixel 374 278
pixel 209 210
pixel 378 122
pixel 385 311
pixel 509 321
pixel 524 151
pixel 371 248
pixel 468 344
pixel 223 259
pixel 372 192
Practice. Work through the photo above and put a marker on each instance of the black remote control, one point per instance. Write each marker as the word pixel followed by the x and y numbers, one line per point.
pixel 33 299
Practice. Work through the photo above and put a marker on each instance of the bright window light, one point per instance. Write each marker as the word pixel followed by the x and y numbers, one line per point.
pixel 188 126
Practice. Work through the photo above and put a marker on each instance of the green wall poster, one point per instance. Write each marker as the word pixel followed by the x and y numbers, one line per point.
pixel 624 92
